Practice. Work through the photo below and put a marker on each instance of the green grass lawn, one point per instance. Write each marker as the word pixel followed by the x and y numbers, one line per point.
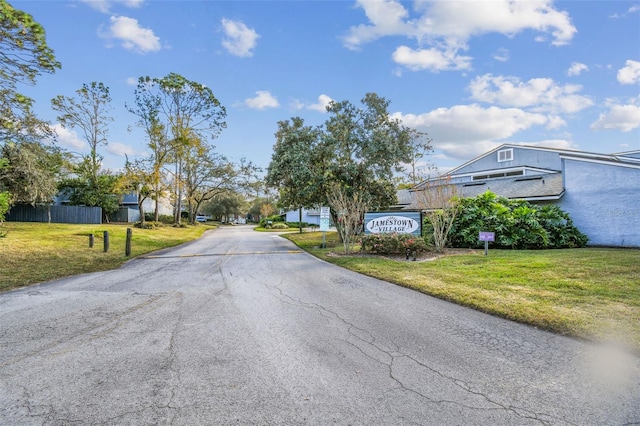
pixel 36 252
pixel 591 293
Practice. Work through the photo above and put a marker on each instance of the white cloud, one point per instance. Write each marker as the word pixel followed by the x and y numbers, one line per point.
pixel 320 106
pixel 262 100
pixel 104 6
pixel 131 35
pixel 387 17
pixel 630 73
pixel 131 81
pixel 447 26
pixel 463 131
pixel 633 9
pixel 577 68
pixel 68 138
pixel 323 103
pixel 539 94
pixel 430 59
pixel 623 117
pixel 240 40
pixel 502 55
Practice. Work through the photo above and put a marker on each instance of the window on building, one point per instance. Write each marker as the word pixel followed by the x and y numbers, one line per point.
pixel 498 175
pixel 505 155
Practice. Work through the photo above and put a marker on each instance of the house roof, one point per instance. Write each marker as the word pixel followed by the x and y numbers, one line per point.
pixel 618 160
pixel 530 188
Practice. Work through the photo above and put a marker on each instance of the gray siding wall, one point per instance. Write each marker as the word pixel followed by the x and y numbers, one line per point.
pixel 294 216
pixel 521 157
pixel 126 214
pixel 604 202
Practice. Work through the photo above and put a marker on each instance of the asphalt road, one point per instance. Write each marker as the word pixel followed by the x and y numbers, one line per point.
pixel 240 327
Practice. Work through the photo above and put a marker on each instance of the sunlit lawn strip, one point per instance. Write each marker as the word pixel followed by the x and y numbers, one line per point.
pixel 591 293
pixel 36 252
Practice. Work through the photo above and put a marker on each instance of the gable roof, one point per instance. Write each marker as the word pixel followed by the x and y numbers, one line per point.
pixel 529 188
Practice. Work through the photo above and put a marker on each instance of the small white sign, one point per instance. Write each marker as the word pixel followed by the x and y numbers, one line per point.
pixel 325 218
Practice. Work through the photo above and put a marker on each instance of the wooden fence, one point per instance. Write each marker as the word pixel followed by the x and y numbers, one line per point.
pixel 55 214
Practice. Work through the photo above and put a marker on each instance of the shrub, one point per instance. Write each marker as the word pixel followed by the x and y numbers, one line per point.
pixel 298 224
pixel 517 224
pixel 392 243
pixel 279 225
pixel 5 198
pixel 163 218
pixel 148 225
pixel 264 223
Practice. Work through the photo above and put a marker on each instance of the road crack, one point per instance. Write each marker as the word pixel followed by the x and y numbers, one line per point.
pixel 388 354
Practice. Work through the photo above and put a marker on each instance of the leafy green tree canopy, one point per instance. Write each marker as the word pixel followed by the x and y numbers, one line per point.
pixel 359 148
pixel 24 55
pixel 31 172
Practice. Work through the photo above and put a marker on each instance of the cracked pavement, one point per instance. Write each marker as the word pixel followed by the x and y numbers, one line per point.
pixel 239 327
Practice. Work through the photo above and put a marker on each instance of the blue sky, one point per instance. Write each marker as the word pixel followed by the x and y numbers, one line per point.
pixel 472 74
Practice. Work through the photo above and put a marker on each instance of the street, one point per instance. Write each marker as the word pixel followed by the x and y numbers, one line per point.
pixel 241 327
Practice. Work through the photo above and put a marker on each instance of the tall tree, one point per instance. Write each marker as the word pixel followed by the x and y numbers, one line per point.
pixel 89 112
pixel 367 148
pixel 294 168
pixel 190 112
pixel 358 149
pixel 24 55
pixel 147 109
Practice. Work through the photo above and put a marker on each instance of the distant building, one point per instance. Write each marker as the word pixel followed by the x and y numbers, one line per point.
pixel 310 216
pixel 601 192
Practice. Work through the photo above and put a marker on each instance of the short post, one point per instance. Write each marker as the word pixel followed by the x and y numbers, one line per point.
pixel 486 247
pixel 407 252
pixel 414 255
pixel 105 235
pixel 127 247
pixel 90 240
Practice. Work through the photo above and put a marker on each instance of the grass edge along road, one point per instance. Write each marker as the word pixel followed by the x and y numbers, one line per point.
pixel 36 252
pixel 590 293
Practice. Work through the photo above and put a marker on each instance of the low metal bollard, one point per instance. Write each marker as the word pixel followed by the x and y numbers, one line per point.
pixel 106 241
pixel 90 240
